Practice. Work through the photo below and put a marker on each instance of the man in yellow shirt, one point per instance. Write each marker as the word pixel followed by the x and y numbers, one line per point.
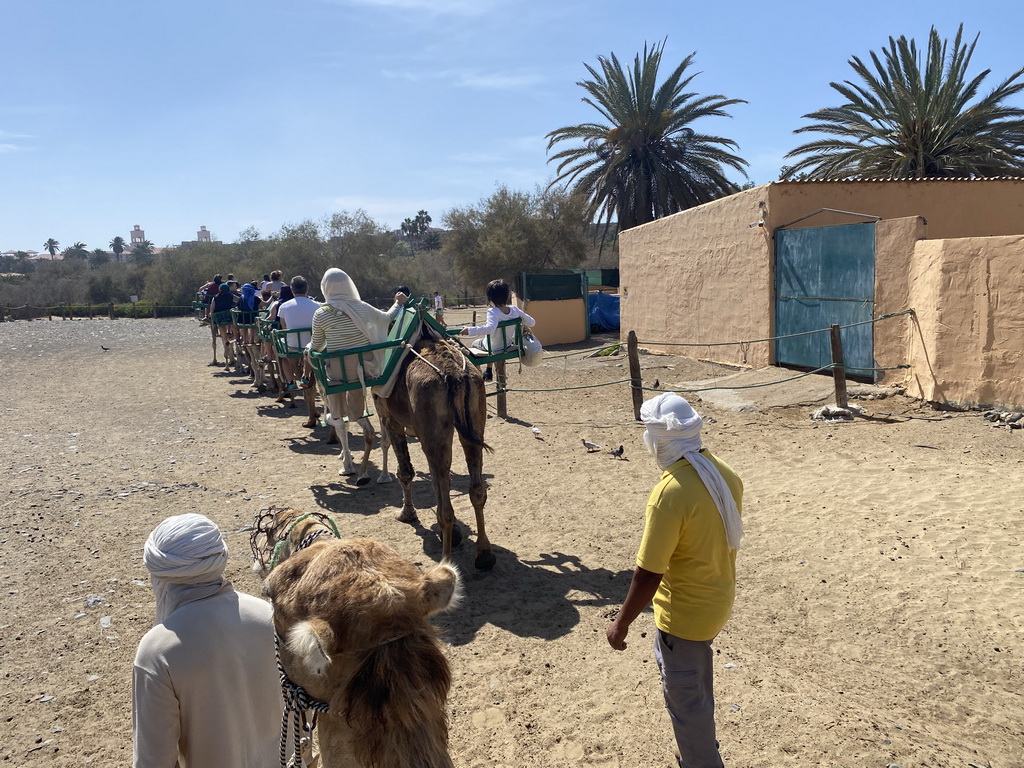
pixel 687 565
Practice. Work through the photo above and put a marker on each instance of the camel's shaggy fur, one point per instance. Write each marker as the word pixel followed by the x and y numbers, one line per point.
pixel 354 619
pixel 433 406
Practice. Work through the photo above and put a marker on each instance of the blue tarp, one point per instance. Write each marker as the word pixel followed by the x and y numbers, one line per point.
pixel 604 312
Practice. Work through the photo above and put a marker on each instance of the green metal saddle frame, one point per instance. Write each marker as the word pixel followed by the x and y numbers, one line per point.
pixel 414 313
pixel 223 318
pixel 235 313
pixel 287 342
pixel 264 327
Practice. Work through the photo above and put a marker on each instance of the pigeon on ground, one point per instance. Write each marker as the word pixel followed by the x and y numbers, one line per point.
pixel 656 384
pixel 536 433
pixel 105 349
pixel 617 452
pixel 591 447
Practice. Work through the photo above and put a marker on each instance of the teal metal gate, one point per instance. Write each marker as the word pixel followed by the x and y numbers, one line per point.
pixel 825 275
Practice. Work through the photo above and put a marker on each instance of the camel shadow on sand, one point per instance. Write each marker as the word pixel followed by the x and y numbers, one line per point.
pixel 538 598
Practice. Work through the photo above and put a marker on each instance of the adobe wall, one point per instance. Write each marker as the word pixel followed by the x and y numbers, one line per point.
pixel 895 244
pixel 968 341
pixel 701 276
pixel 952 207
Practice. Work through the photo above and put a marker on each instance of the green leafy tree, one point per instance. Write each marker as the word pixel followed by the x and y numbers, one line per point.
pixel 645 161
pixel 51 246
pixel 117 245
pixel 98 258
pixel 513 232
pixel 906 118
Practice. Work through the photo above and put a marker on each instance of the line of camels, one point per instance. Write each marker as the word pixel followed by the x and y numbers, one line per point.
pixel 352 616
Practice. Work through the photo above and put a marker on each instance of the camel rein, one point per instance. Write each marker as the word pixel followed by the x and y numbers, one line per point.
pixel 296 700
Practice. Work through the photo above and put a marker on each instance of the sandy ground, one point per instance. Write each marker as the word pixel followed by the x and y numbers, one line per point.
pixel 879 610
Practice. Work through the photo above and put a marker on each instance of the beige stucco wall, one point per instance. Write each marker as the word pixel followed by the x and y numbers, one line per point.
pixel 895 241
pixel 952 207
pixel 558 322
pixel 968 341
pixel 701 276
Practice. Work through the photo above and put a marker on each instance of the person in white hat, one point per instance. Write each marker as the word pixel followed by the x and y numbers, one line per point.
pixel 687 565
pixel 205 689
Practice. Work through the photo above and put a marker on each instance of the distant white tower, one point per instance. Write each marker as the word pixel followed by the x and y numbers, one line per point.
pixel 138 235
pixel 203 235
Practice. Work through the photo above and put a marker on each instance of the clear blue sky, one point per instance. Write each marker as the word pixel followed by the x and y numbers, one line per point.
pixel 237 113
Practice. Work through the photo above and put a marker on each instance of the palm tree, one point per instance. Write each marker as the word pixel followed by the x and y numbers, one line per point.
pixel 903 121
pixel 51 246
pixel 645 161
pixel 142 253
pixel 117 246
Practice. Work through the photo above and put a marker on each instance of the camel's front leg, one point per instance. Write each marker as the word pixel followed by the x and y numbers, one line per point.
pixel 312 415
pixel 405 472
pixel 385 446
pixel 364 476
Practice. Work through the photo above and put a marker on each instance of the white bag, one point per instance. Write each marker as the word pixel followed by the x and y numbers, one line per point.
pixel 533 352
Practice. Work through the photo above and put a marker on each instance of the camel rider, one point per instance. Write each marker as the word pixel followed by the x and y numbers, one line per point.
pixel 346 321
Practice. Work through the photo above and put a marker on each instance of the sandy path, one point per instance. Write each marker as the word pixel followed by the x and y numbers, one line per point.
pixel 878 618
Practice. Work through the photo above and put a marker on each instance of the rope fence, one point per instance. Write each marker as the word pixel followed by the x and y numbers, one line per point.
pixel 837 366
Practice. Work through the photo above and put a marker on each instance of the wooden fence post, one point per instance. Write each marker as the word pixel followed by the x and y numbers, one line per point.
pixel 474 317
pixel 636 383
pixel 110 308
pixel 838 366
pixel 499 379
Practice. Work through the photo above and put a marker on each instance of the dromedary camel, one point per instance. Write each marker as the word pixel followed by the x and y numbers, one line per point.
pixel 437 393
pixel 352 618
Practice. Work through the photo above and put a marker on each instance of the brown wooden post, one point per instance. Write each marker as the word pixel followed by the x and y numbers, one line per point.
pixel 636 383
pixel 474 318
pixel 838 367
pixel 134 306
pixel 499 378
pixel 110 308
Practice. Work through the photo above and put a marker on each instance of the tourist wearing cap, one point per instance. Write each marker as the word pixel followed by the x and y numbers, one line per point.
pixel 205 690
pixel 687 565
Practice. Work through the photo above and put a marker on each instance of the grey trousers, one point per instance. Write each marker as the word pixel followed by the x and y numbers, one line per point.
pixel 686 679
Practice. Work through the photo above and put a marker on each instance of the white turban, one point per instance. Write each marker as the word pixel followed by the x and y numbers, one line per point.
pixel 186 556
pixel 673 433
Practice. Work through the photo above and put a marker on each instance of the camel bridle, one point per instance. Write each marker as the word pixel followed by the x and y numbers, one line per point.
pixel 296 699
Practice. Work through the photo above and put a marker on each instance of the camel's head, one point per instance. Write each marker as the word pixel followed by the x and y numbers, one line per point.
pixel 355 595
pixel 277 532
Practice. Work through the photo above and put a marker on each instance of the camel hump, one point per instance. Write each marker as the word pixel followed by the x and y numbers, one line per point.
pixel 307 640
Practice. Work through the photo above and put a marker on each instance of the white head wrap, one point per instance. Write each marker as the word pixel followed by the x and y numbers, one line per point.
pixel 673 433
pixel 341 293
pixel 186 556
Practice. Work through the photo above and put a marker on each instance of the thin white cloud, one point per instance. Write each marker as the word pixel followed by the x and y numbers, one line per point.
pixel 464 78
pixel 8 148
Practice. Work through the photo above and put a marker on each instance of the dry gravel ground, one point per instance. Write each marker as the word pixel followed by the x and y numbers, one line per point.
pixel 879 611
